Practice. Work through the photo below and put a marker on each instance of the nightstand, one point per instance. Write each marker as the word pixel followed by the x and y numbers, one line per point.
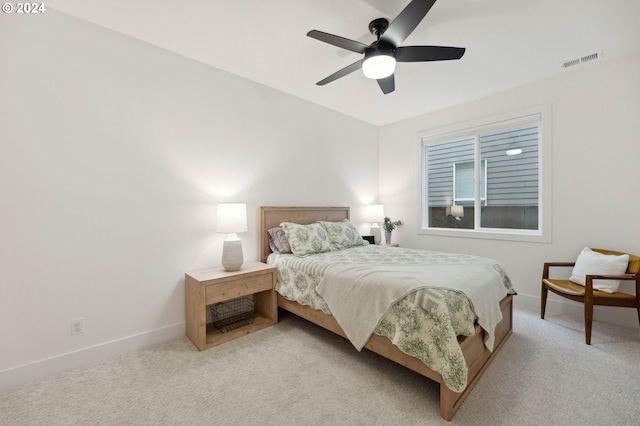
pixel 209 286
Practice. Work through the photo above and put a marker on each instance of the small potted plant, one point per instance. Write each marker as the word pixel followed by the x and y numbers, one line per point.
pixel 389 226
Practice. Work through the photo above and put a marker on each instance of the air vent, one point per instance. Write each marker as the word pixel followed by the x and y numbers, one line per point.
pixel 587 58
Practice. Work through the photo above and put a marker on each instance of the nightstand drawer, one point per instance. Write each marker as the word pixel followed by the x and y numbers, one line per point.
pixel 232 289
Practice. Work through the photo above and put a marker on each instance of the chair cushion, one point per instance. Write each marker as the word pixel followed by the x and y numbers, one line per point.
pixel 567 287
pixel 590 262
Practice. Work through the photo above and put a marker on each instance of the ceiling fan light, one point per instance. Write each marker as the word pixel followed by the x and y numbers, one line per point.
pixel 379 66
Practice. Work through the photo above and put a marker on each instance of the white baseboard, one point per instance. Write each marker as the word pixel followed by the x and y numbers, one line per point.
pixel 553 306
pixel 623 317
pixel 39 370
pixel 59 364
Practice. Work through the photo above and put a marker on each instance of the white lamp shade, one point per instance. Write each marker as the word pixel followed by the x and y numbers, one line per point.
pixel 374 213
pixel 378 66
pixel 232 218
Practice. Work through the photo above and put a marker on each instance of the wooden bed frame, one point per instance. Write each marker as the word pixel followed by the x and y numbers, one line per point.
pixel 477 356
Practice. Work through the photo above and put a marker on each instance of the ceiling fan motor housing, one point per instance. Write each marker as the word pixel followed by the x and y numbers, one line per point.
pixel 379 49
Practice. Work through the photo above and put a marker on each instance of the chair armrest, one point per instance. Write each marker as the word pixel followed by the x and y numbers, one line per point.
pixel 560 263
pixel 589 281
pixel 547 265
pixel 613 277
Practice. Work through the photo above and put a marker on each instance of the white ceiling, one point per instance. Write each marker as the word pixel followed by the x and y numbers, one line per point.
pixel 509 43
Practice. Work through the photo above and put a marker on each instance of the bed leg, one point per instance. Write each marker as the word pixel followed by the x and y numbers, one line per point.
pixel 448 400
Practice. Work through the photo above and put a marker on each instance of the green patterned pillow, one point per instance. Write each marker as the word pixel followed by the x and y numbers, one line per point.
pixel 306 239
pixel 343 234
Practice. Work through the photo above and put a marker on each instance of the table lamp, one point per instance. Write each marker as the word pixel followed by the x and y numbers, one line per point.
pixel 456 211
pixel 375 214
pixel 232 218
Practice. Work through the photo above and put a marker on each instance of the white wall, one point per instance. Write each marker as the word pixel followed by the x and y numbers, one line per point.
pixel 114 156
pixel 596 152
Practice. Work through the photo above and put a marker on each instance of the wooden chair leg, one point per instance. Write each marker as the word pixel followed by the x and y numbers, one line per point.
pixel 588 320
pixel 543 301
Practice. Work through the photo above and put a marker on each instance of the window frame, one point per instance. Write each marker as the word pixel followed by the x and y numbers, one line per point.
pixel 541 114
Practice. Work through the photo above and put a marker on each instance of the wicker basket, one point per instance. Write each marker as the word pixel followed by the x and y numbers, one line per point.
pixel 232 314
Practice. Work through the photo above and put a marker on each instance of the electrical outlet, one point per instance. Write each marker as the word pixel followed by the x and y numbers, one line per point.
pixel 77 326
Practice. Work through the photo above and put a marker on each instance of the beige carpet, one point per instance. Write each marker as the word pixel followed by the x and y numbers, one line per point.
pixel 296 373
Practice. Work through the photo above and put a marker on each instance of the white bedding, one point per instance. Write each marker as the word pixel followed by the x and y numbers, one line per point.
pixel 359 296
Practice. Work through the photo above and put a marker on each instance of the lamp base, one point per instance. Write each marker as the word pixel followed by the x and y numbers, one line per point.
pixel 232 258
pixel 375 231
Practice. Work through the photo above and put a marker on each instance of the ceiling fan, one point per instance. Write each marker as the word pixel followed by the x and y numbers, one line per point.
pixel 380 57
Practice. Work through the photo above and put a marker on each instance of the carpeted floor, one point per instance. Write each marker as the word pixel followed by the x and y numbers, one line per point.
pixel 295 373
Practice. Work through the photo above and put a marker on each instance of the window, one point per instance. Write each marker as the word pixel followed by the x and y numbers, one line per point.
pixel 463 189
pixel 488 179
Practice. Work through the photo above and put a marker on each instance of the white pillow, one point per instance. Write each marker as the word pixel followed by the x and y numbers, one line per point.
pixel 593 263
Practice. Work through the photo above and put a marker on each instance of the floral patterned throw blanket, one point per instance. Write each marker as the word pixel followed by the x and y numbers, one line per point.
pixel 424 323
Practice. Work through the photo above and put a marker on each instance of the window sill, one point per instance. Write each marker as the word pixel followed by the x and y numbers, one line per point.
pixel 489 234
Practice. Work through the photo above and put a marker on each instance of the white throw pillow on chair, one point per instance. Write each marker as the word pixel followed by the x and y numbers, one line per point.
pixel 591 262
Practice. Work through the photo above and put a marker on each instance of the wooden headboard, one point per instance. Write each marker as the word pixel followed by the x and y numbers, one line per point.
pixel 271 217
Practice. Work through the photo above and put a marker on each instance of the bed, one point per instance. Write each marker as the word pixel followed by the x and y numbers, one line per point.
pixel 473 348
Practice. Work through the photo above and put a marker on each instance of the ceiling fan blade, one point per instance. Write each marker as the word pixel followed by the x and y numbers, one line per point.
pixel 428 53
pixel 387 84
pixel 341 73
pixel 344 43
pixel 406 21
